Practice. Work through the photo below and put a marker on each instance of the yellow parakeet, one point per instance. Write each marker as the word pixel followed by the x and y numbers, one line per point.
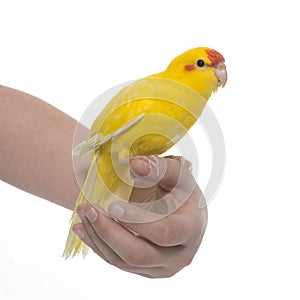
pixel 146 117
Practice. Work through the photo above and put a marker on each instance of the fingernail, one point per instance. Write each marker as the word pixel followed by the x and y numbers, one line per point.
pixel 190 170
pixel 124 161
pixel 189 167
pixel 150 163
pixel 79 232
pixel 91 214
pixel 145 162
pixel 153 161
pixel 116 211
pixel 133 176
pixel 82 216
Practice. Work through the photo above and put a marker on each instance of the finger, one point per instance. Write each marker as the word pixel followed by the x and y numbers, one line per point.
pixel 161 231
pixel 130 248
pixel 146 171
pixel 176 229
pixel 83 234
pixel 169 178
pixel 179 181
pixel 178 174
pixel 168 172
pixel 109 256
pixel 132 212
pixel 80 231
pixel 164 261
pixel 94 241
pixel 156 272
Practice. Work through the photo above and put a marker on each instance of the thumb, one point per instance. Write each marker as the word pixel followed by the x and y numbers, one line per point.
pixel 132 213
pixel 173 175
pixel 168 172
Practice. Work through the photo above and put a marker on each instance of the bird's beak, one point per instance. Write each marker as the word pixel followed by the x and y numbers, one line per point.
pixel 221 73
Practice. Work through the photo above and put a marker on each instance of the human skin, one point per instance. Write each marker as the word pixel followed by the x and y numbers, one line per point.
pixel 35 156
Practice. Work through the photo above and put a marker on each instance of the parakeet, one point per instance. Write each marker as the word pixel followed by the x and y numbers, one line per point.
pixel 146 117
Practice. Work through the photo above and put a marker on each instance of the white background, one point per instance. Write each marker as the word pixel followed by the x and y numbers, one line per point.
pixel 68 52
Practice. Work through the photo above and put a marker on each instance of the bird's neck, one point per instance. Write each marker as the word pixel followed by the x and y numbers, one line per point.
pixel 202 87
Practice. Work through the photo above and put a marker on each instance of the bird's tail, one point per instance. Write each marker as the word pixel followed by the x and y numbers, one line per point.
pixel 74 245
pixel 104 184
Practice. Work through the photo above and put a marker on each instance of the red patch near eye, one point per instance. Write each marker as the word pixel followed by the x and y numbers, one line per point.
pixel 189 67
pixel 214 56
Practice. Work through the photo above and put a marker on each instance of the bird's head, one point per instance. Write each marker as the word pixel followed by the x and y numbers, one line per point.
pixel 203 69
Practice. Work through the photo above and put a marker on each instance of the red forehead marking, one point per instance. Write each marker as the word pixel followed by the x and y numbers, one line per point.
pixel 214 56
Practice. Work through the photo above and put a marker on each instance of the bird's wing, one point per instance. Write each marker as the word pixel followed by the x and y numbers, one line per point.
pixel 98 139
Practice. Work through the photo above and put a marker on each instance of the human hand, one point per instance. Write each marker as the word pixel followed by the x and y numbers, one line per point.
pixel 161 247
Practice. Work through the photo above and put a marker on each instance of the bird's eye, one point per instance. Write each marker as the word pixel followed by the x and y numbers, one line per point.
pixel 200 63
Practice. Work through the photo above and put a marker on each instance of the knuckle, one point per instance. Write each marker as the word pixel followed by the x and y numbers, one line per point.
pixel 185 258
pixel 93 235
pixel 199 229
pixel 186 261
pixel 93 248
pixel 166 234
pixel 136 258
pixel 96 250
pixel 117 262
pixel 167 273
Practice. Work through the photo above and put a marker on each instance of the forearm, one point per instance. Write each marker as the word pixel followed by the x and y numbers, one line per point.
pixel 35 147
